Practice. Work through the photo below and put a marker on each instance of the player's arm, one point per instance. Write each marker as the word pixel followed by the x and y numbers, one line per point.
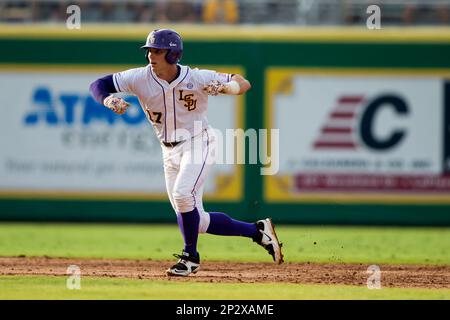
pixel 237 85
pixel 102 90
pixel 244 85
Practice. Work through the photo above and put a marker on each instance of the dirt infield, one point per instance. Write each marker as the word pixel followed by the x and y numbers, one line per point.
pixel 404 276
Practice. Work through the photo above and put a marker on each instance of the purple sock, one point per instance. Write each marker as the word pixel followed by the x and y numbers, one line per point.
pixel 222 225
pixel 188 223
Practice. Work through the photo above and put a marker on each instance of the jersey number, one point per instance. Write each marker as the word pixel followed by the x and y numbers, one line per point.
pixel 156 118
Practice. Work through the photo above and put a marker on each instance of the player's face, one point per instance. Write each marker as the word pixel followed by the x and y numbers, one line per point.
pixel 158 60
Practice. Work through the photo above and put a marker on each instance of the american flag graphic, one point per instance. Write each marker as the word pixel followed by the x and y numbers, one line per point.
pixel 338 132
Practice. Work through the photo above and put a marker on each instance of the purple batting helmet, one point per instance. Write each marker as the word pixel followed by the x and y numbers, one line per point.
pixel 165 39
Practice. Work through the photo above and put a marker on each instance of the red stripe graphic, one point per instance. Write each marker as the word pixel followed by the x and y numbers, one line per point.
pixel 338 133
pixel 336 130
pixel 335 137
pixel 351 99
pixel 342 115
pixel 334 145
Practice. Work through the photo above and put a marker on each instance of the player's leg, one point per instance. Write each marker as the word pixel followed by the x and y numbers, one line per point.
pixel 262 232
pixel 189 180
pixel 204 216
pixel 223 225
pixel 172 159
pixel 187 197
pixel 219 223
pixel 171 162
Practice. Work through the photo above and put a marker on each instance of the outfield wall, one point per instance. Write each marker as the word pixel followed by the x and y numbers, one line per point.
pixel 363 120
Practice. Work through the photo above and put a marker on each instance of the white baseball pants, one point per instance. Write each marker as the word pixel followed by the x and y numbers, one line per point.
pixel 186 167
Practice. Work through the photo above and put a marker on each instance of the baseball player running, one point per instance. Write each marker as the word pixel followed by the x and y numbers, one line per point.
pixel 174 98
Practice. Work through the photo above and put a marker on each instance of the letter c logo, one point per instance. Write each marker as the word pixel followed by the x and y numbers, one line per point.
pixel 366 129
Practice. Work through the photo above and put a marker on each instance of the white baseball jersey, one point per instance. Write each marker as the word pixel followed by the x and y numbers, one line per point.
pixel 172 106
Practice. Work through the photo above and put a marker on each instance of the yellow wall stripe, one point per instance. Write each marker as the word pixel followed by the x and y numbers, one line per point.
pixel 230 33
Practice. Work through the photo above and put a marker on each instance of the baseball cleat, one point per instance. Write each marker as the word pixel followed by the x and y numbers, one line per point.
pixel 186 265
pixel 267 238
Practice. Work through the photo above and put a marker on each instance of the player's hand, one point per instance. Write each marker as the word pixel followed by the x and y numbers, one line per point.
pixel 214 88
pixel 118 105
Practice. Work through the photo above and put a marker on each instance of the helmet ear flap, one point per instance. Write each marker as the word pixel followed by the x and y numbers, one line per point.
pixel 173 56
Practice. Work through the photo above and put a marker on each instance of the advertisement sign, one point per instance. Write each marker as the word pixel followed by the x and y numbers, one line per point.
pixel 57 141
pixel 359 136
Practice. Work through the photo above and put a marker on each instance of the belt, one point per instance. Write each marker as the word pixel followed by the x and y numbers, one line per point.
pixel 172 144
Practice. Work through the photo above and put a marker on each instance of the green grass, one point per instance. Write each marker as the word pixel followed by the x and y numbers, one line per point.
pixel 32 287
pixel 301 243
pixel 367 245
